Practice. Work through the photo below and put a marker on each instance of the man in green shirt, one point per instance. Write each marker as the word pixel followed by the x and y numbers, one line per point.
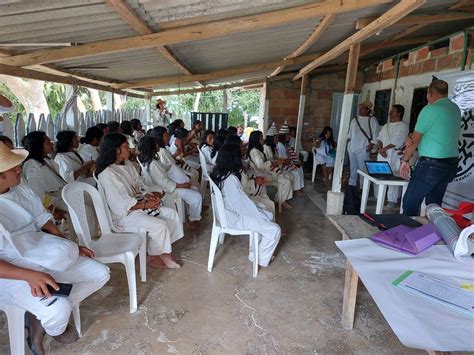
pixel 436 136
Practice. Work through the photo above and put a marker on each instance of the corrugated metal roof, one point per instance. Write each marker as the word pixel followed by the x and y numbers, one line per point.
pixel 82 21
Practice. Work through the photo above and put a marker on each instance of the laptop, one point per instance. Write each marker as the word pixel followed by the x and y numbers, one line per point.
pixel 380 170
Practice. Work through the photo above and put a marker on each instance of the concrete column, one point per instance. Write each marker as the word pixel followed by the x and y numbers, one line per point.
pixel 266 111
pixel 335 198
pixel 261 109
pixel 299 124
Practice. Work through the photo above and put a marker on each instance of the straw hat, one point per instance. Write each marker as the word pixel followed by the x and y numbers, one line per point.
pixel 367 103
pixel 160 101
pixel 5 105
pixel 11 158
pixel 272 131
pixel 284 128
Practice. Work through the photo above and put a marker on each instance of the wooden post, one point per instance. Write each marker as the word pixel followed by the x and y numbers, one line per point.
pixel 335 198
pixel 266 119
pixel 299 124
pixel 261 108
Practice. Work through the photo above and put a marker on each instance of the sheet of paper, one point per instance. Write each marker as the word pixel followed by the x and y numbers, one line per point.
pixel 437 291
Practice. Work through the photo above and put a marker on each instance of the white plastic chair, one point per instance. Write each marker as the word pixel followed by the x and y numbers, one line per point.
pixel 180 206
pixel 220 227
pixel 204 172
pixel 111 247
pixel 16 326
pixel 315 165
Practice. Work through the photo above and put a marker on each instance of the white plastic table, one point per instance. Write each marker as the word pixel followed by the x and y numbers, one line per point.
pixel 382 184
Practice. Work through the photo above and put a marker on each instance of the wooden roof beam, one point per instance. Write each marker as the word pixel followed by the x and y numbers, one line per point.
pixel 141 27
pixel 423 18
pixel 395 14
pixel 32 74
pixel 193 32
pixel 209 88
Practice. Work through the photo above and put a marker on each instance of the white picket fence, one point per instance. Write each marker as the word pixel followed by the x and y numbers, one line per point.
pixel 79 123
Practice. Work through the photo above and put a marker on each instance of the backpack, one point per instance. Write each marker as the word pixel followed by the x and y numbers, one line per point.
pixel 351 201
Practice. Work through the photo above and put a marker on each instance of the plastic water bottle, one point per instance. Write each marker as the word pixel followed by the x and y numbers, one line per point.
pixel 446 226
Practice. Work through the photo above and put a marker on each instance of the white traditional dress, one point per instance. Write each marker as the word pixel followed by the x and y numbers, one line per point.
pixel 123 188
pixel 161 118
pixel 88 152
pixel 393 133
pixel 177 173
pixel 210 161
pixel 323 155
pixel 243 213
pixel 257 193
pixel 158 176
pixel 297 173
pixel 70 162
pixel 263 167
pixel 362 131
pixel 24 244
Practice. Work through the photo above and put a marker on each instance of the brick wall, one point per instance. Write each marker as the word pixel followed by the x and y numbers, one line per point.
pixel 284 102
pixel 423 60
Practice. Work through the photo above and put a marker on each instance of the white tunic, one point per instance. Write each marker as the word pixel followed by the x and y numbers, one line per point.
pixel 393 133
pixel 44 179
pixel 68 163
pixel 210 161
pixel 243 213
pixel 162 118
pixel 175 172
pixel 122 186
pixel 88 152
pixel 358 142
pixel 257 193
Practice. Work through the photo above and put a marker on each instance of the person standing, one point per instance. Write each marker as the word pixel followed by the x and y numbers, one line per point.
pixel 391 138
pixel 362 133
pixel 436 136
pixel 162 117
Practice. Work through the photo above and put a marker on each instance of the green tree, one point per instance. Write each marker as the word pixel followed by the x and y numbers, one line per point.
pixel 55 97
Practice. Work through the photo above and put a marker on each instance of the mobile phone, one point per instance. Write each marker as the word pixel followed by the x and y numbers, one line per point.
pixel 64 290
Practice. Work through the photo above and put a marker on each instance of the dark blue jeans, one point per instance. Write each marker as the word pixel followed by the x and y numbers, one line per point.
pixel 428 181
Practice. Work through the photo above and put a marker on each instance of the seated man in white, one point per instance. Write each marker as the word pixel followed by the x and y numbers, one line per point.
pixel 241 211
pixel 158 176
pixel 34 255
pixel 133 204
pixel 89 149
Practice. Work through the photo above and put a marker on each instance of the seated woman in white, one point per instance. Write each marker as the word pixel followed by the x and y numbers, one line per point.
pixel 138 132
pixel 294 169
pixel 269 169
pixel 254 186
pixel 206 147
pixel 178 173
pixel 182 151
pixel 89 149
pixel 325 152
pixel 34 255
pixel 241 211
pixel 158 176
pixel 71 165
pixel 41 174
pixel 133 204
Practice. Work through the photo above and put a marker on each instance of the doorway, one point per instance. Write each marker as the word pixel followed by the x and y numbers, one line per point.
pixel 418 102
pixel 382 105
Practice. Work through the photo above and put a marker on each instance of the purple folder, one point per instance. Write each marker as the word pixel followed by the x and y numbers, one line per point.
pixel 408 240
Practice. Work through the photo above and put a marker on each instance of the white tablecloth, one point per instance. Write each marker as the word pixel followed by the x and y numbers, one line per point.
pixel 417 322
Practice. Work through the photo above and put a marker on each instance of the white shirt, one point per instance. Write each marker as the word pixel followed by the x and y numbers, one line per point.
pixel 162 118
pixel 267 150
pixel 42 179
pixel 68 163
pixel 281 150
pixel 22 242
pixel 259 161
pixel 159 176
pixel 88 152
pixel 393 133
pixel 358 142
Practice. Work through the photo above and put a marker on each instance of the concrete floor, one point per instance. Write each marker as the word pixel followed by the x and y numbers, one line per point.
pixel 292 307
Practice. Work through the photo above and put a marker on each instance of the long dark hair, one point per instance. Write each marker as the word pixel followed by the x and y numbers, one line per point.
pixel 181 133
pixel 64 141
pixel 34 144
pixel 108 151
pixel 92 133
pixel 114 126
pixel 135 122
pixel 157 133
pixel 218 143
pixel 254 141
pixel 126 128
pixel 271 143
pixel 322 136
pixel 206 133
pixel 228 162
pixel 147 149
pixel 172 127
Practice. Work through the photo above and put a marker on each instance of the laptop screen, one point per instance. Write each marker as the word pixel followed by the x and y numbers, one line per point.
pixel 378 167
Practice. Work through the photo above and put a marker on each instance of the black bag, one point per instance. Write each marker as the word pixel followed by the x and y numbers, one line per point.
pixel 351 201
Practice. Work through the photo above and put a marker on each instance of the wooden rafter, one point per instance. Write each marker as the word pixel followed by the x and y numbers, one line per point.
pixel 318 31
pixel 390 17
pixel 141 27
pixel 32 74
pixel 423 18
pixel 209 88
pixel 193 32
